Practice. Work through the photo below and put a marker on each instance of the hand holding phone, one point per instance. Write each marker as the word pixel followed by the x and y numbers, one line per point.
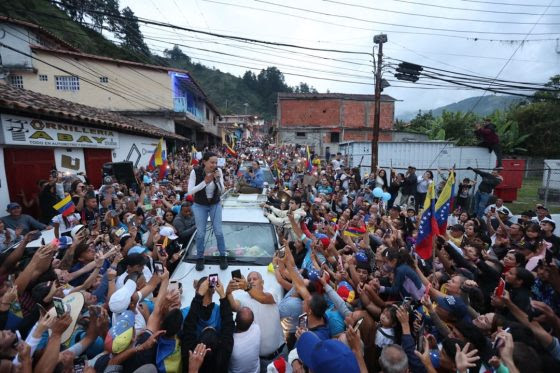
pixel 236 274
pixel 158 266
pixel 213 280
pixel 59 306
pixel 500 289
pixel 302 321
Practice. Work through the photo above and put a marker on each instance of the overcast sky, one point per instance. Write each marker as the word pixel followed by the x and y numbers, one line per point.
pixel 533 62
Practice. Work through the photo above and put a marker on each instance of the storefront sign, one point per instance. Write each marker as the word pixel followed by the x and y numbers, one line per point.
pixel 37 132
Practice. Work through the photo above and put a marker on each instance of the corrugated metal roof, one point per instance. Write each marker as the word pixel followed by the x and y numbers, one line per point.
pixel 33 102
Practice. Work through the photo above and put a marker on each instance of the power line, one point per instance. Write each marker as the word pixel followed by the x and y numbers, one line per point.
pixel 400 25
pixel 513 54
pixel 441 6
pixel 425 15
pixel 512 4
pixel 67 72
pixel 471 38
pixel 163 24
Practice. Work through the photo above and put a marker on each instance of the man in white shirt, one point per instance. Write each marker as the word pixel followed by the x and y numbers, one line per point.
pixel 265 311
pixel 246 344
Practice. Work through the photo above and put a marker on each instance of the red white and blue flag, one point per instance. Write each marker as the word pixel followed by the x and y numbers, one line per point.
pixel 444 204
pixel 428 227
pixel 308 162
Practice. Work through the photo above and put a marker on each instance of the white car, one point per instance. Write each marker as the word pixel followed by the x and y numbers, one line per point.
pixel 250 239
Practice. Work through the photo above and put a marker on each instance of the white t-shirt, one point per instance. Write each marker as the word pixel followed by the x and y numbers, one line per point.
pixel 267 316
pixel 245 354
pixel 73 219
pixel 119 283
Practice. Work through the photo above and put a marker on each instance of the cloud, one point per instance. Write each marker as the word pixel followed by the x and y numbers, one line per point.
pixel 532 62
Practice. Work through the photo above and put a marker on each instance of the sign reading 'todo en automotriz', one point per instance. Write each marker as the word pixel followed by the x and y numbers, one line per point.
pixel 37 132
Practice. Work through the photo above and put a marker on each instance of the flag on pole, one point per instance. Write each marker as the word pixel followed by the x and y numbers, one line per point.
pixel 428 226
pixel 164 167
pixel 444 204
pixel 65 206
pixel 308 162
pixel 157 157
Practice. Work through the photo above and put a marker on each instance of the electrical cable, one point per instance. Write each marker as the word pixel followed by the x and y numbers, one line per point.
pixel 426 15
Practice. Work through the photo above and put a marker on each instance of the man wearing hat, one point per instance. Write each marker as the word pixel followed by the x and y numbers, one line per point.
pixel 16 219
pixel 326 355
pixel 548 226
pixel 542 212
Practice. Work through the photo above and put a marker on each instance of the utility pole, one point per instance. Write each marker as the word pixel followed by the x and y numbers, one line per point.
pixel 377 39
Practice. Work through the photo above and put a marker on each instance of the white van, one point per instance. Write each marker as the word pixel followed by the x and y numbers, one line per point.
pixel 250 239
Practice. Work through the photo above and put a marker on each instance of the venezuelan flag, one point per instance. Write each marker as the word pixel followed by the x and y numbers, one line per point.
pixel 229 148
pixel 354 232
pixel 164 168
pixel 157 157
pixel 444 204
pixel 428 225
pixel 66 206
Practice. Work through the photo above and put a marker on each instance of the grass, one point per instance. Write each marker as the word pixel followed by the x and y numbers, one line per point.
pixel 528 197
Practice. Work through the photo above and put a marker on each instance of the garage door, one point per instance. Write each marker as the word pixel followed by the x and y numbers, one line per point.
pixel 95 158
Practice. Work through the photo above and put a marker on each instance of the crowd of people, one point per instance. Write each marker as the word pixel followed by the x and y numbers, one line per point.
pixel 357 296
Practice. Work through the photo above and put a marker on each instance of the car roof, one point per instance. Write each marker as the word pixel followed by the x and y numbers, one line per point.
pixel 243 208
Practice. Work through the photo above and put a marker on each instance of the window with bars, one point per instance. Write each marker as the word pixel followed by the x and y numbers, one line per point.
pixel 67 83
pixel 43 78
pixel 103 79
pixel 16 80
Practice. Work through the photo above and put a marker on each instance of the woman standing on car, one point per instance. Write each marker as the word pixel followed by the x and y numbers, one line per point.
pixel 206 185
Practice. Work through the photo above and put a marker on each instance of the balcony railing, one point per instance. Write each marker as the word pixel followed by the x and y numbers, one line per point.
pixel 180 105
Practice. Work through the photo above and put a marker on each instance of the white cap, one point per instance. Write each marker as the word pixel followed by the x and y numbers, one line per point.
pixel 76 229
pixel 168 232
pixel 120 299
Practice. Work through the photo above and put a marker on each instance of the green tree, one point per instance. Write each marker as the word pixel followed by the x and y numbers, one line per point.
pixel 177 57
pixel 459 127
pixel 129 33
pixel 304 88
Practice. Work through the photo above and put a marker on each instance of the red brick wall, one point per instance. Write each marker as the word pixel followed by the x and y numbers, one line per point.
pixel 326 113
pixel 354 113
pixel 317 113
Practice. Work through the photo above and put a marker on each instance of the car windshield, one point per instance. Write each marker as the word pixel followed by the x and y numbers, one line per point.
pixel 267 174
pixel 244 242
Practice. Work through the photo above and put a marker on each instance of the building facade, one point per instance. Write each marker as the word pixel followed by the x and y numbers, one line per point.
pixel 165 97
pixel 323 120
pixel 40 133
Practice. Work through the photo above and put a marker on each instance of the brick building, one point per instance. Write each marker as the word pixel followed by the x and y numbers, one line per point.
pixel 327 119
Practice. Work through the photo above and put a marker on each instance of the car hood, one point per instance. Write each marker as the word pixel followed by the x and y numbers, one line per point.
pixel 186 274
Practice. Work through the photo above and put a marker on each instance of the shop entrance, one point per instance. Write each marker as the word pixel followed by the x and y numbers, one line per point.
pixel 24 167
pixel 95 158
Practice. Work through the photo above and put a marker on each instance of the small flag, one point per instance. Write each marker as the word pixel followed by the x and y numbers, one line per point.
pixel 66 206
pixel 156 159
pixel 354 232
pixel 428 226
pixel 230 148
pixel 444 204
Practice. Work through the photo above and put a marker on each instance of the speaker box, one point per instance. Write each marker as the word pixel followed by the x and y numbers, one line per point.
pixel 122 171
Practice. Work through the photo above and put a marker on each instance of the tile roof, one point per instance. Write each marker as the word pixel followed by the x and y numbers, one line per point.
pixel 37 103
pixel 38 29
pixel 344 96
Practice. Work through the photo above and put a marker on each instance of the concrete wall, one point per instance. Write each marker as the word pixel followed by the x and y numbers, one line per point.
pixel 140 88
pixel 167 124
pixel 137 149
pixel 16 37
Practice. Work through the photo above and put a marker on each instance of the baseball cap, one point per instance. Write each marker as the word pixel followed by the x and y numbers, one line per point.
pixel 64 242
pixel 346 291
pixel 73 303
pixel 76 229
pixel 120 299
pixel 314 275
pixel 136 250
pixel 541 207
pixel 550 221
pixel 168 232
pixel 454 305
pixel 361 257
pixel 124 238
pixel 121 334
pixel 325 356
pixel 13 205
